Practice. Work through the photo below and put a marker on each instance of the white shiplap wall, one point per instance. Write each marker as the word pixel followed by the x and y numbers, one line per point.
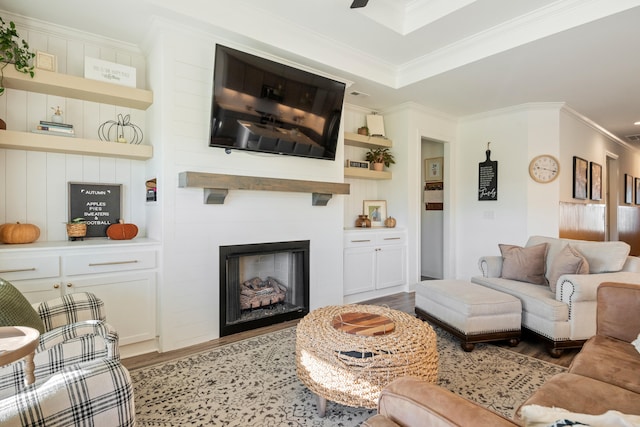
pixel 34 185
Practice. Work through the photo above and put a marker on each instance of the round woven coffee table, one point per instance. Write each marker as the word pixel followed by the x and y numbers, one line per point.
pixel 347 354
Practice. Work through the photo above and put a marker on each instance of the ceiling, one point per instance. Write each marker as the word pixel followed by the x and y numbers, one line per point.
pixel 458 57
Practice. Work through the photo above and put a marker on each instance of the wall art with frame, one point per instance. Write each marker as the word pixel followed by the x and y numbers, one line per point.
pixel 433 169
pixel 376 210
pixel 580 178
pixel 628 188
pixel 595 174
pixel 637 182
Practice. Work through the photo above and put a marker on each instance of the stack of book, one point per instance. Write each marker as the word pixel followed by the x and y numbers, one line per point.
pixel 52 128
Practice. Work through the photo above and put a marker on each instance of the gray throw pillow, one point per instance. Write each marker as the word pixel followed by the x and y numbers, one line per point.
pixel 15 310
pixel 524 264
pixel 568 261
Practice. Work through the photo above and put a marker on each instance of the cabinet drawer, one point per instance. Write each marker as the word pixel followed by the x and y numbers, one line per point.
pixel 394 238
pixel 356 240
pixel 108 262
pixel 25 267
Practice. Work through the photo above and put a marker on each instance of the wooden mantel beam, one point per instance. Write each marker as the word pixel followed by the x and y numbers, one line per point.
pixel 217 186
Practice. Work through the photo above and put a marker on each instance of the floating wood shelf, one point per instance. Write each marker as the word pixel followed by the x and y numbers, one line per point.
pixel 70 86
pixel 61 144
pixel 364 141
pixel 366 173
pixel 216 186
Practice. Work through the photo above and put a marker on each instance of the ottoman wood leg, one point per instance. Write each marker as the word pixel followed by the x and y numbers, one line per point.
pixel 322 406
pixel 467 346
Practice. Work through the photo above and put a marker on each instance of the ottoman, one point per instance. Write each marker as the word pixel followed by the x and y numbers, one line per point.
pixel 471 312
pixel 339 364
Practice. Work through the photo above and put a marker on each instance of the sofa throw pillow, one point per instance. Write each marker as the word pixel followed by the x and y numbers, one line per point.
pixel 541 416
pixel 636 343
pixel 568 261
pixel 524 264
pixel 15 310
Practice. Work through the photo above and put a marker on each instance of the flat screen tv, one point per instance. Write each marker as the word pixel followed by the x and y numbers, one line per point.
pixel 263 106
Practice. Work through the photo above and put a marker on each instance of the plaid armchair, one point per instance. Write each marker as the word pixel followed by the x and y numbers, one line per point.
pixel 75 331
pixel 79 378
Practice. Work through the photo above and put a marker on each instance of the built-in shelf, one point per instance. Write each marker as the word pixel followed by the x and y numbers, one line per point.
pixel 216 186
pixel 364 141
pixel 62 144
pixel 366 173
pixel 70 86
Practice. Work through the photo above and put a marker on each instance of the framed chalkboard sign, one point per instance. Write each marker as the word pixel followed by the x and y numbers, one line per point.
pixel 98 204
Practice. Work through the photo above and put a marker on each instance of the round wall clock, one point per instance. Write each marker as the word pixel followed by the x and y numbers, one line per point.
pixel 544 168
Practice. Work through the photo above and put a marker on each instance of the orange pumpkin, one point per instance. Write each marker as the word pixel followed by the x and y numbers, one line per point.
pixel 122 231
pixel 19 233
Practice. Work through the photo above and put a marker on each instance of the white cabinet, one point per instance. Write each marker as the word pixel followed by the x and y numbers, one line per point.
pixel 122 275
pixel 374 259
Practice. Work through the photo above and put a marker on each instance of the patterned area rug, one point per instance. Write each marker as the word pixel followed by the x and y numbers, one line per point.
pixel 253 383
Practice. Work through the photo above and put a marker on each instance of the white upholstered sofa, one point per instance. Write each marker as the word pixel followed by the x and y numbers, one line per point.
pixel 559 305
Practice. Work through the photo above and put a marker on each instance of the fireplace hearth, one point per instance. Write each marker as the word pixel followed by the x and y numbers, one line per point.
pixel 263 284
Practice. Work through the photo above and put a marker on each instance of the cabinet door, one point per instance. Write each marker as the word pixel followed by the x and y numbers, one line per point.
pixel 359 270
pixel 40 290
pixel 390 266
pixel 129 302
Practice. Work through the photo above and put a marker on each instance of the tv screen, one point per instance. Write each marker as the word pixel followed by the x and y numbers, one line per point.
pixel 263 106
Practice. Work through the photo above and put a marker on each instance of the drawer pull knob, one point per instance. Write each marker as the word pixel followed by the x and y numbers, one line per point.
pixel 360 241
pixel 56 286
pixel 97 264
pixel 69 285
pixel 18 270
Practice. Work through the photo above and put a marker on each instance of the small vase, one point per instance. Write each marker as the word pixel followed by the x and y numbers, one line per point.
pixel 378 166
pixel 363 221
pixel 390 222
pixel 56 118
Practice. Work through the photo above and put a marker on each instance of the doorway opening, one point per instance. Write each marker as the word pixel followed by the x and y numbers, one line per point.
pixel 432 210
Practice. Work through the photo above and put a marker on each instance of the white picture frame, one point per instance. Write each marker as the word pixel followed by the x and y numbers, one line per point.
pixel 46 61
pixel 376 210
pixel 433 169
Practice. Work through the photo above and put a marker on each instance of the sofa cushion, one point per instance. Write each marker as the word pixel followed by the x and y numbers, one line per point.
pixel 15 310
pixel 524 264
pixel 568 261
pixel 609 360
pixel 602 257
pixel 537 300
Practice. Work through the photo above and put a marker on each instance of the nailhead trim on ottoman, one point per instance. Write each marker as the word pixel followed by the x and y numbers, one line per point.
pixel 471 312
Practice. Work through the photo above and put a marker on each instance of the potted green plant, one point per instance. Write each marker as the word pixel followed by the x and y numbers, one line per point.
pixel 13 50
pixel 380 157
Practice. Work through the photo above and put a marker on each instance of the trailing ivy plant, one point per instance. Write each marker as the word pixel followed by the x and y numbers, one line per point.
pixel 13 50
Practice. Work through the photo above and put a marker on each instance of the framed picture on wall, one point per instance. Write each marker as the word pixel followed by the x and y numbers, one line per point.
pixel 433 169
pixel 596 181
pixel 637 182
pixel 628 188
pixel 377 211
pixel 579 178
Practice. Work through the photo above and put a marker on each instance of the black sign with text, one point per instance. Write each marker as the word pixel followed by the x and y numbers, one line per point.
pixel 488 179
pixel 98 204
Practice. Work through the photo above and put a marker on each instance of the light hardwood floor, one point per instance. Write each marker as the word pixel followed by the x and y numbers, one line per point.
pixel 402 301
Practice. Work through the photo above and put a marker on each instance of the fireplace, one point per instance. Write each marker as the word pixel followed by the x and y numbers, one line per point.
pixel 263 284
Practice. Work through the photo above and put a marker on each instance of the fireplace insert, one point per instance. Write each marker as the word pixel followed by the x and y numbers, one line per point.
pixel 263 284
